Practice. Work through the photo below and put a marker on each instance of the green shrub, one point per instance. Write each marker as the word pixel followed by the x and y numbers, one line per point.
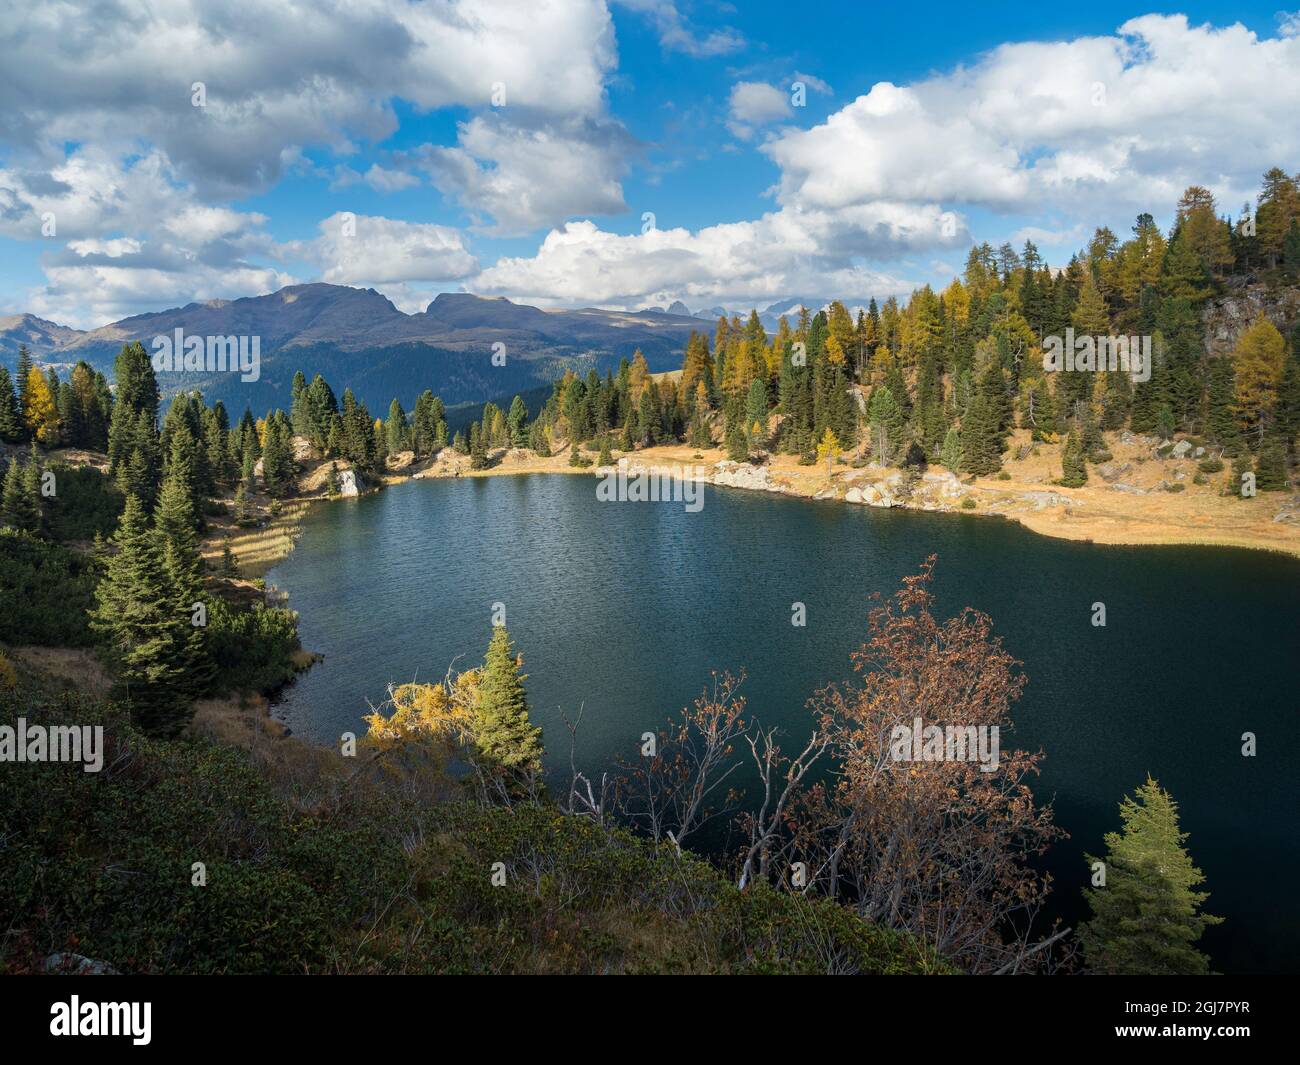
pixel 253 648
pixel 47 591
pixel 366 878
pixel 85 502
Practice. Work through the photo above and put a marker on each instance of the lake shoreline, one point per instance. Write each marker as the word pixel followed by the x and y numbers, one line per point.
pixel 1141 510
pixel 1097 513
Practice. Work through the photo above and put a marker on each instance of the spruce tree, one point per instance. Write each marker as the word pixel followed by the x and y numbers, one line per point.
pixel 1270 466
pixel 22 375
pixel 1147 919
pixel 478 456
pixel 981 438
pixel 19 508
pixel 1220 414
pixel 396 429
pixel 183 565
pixel 539 439
pixel 11 422
pixel 136 399
pixel 517 422
pixel 950 454
pixel 1074 469
pixel 136 616
pixel 736 444
pixel 887 423
pixel 503 733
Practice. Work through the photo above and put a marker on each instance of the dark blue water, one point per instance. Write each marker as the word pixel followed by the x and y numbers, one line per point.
pixel 626 608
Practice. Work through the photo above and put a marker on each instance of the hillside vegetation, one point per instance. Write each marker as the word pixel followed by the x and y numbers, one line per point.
pixel 312 870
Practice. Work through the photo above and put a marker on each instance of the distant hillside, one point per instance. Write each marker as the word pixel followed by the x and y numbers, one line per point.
pixel 39 335
pixel 358 339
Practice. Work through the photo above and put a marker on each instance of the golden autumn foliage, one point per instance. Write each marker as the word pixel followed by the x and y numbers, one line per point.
pixel 1258 359
pixel 441 714
pixel 828 449
pixel 41 413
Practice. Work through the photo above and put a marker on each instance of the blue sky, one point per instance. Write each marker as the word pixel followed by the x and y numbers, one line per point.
pixel 919 131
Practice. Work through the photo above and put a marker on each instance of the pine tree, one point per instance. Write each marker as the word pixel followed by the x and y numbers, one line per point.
pixel 183 566
pixel 136 617
pixel 478 455
pixel 950 454
pixel 539 439
pixel 503 733
pixel 19 507
pixel 517 422
pixel 887 423
pixel 981 438
pixel 22 375
pixel 1220 415
pixel 1074 468
pixel 136 396
pixel 279 470
pixel 575 455
pixel 735 442
pixel 1270 466
pixel 396 430
pixel 1286 412
pixel 1147 919
pixel 756 413
pixel 1291 251
pixel 11 422
pixel 605 458
pixel 229 566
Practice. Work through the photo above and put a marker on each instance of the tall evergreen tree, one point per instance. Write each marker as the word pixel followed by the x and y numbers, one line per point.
pixel 1074 467
pixel 22 374
pixel 136 616
pixel 136 400
pixel 20 506
pixel 950 454
pixel 1147 918
pixel 503 733
pixel 11 422
pixel 176 521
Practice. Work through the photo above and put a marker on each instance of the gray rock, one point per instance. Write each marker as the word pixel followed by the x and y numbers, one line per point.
pixel 743 475
pixel 1181 449
pixel 70 964
pixel 1113 471
pixel 1131 489
pixel 348 483
pixel 945 484
pixel 1043 500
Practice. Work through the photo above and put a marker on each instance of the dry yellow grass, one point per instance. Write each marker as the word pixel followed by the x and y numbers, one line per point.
pixel 67 667
pixel 256 550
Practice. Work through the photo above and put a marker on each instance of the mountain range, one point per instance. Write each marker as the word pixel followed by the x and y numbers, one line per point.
pixel 357 338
